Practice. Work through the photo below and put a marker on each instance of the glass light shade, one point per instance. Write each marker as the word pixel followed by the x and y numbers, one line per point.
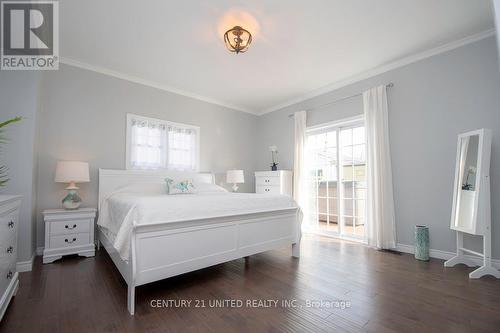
pixel 237 39
pixel 235 177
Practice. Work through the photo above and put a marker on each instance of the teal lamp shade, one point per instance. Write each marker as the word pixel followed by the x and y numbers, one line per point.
pixel 72 172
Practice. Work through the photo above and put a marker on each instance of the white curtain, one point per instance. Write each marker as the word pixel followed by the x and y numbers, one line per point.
pixel 148 144
pixel 380 227
pixel 157 145
pixel 299 165
pixel 181 149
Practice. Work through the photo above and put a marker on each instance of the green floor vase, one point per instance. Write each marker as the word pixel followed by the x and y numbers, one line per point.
pixel 421 242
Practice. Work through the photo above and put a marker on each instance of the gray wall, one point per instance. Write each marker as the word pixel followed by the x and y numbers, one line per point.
pixel 496 13
pixel 19 97
pixel 83 114
pixel 432 101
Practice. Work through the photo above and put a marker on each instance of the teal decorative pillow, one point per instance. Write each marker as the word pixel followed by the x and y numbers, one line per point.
pixel 184 186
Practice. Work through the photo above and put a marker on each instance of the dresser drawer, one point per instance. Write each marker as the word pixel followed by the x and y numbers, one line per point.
pixel 70 240
pixel 8 252
pixel 263 189
pixel 69 227
pixel 8 225
pixel 268 181
pixel 6 276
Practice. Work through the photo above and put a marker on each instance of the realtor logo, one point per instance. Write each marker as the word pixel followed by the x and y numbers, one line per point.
pixel 30 35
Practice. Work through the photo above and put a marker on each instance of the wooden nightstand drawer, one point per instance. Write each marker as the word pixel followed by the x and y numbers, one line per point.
pixel 70 240
pixel 69 227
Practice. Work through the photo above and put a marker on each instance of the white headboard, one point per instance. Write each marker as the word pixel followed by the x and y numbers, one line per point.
pixel 112 180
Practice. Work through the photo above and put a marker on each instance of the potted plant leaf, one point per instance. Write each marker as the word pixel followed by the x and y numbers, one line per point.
pixel 3 169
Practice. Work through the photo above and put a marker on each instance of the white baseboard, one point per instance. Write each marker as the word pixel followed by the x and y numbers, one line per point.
pixel 39 251
pixel 445 255
pixel 25 266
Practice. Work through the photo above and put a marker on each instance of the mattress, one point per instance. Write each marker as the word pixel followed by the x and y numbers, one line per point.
pixel 121 211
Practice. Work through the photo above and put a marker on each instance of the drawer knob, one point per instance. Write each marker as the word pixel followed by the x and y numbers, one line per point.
pixel 10 249
pixel 68 227
pixel 70 241
pixel 11 224
pixel 9 275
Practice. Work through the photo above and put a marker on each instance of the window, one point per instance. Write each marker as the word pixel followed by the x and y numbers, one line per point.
pixel 159 144
pixel 336 163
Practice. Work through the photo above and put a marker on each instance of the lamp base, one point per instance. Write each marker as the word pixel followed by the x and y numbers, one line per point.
pixel 235 188
pixel 71 201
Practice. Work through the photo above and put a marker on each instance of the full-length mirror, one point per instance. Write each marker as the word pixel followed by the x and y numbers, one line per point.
pixel 466 194
pixel 472 166
pixel 471 212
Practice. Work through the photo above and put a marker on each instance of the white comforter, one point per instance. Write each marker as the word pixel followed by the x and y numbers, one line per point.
pixel 120 211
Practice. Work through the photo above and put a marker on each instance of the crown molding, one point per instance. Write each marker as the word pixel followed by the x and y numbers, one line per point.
pixel 384 68
pixel 317 92
pixel 149 83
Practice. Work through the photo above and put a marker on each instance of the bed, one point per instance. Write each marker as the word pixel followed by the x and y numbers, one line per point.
pixel 151 236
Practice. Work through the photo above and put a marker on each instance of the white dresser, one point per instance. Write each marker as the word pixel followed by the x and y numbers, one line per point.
pixel 68 232
pixel 9 220
pixel 274 182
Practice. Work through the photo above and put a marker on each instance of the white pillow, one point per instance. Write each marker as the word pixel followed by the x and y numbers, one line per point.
pixel 184 186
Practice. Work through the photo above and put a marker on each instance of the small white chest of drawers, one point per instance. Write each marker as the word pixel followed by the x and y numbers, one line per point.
pixel 273 182
pixel 9 220
pixel 68 232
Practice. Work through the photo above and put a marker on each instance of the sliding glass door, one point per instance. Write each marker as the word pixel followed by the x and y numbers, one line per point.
pixel 336 162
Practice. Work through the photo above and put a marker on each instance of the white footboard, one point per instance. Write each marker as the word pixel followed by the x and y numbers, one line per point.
pixel 164 250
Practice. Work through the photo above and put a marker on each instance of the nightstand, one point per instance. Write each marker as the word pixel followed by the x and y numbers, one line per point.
pixel 274 182
pixel 68 232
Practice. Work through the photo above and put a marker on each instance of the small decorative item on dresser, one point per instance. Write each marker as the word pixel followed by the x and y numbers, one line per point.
pixel 274 157
pixel 421 242
pixel 72 172
pixel 235 177
pixel 68 232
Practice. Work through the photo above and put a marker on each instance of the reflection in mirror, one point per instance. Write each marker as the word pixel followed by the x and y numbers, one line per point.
pixel 470 162
pixel 466 192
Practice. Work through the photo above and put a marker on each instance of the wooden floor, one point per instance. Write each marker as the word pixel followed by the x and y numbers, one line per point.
pixel 387 293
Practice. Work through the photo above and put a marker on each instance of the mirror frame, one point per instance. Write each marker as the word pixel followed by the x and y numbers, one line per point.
pixel 483 168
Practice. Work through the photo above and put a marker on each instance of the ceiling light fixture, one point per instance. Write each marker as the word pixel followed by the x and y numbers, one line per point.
pixel 237 39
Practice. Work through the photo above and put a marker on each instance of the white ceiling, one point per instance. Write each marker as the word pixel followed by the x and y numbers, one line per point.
pixel 298 46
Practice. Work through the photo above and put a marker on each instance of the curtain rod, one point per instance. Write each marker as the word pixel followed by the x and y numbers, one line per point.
pixel 389 85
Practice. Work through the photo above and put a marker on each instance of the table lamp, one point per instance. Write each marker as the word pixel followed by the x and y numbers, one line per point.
pixel 72 172
pixel 235 177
